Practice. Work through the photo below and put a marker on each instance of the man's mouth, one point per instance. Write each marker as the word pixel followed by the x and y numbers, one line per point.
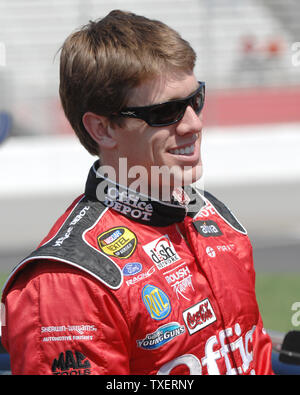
pixel 188 150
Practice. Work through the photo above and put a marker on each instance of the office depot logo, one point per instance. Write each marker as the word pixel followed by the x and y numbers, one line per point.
pixel 199 316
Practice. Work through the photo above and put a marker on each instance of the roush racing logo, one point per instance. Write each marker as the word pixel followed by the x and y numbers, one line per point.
pixel 180 279
pixel 162 252
pixel 199 316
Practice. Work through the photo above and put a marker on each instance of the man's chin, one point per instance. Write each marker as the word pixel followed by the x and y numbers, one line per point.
pixel 185 176
pixel 177 178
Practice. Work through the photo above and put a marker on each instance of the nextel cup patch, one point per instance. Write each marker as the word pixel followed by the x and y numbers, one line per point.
pixel 119 242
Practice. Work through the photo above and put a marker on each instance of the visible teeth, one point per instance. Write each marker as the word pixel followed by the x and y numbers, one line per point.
pixel 183 151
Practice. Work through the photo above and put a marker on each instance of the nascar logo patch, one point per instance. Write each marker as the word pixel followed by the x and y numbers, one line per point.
pixel 119 242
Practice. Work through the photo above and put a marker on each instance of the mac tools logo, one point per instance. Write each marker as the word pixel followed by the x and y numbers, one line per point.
pixel 162 252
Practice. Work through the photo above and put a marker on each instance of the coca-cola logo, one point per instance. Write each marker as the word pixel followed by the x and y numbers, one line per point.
pixel 199 316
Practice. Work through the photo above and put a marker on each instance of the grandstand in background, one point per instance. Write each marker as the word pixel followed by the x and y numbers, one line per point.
pixel 244 54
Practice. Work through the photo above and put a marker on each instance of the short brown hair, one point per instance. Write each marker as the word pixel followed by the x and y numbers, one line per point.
pixel 105 59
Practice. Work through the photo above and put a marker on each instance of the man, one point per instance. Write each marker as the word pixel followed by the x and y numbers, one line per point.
pixel 140 275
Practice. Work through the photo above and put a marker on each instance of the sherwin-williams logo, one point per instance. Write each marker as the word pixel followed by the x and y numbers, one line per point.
pixel 161 336
pixel 119 242
pixel 162 252
pixel 156 301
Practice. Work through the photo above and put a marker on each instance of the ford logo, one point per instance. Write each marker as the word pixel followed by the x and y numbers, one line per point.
pixel 132 268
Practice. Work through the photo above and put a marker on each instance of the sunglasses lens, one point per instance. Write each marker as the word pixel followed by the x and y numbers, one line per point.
pixel 166 113
pixel 198 101
pixel 169 112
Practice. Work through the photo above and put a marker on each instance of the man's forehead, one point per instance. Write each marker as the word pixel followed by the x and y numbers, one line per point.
pixel 163 88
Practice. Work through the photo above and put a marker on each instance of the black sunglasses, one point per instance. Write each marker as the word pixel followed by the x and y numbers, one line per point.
pixel 167 113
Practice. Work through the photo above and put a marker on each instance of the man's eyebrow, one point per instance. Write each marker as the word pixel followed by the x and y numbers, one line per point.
pixel 179 97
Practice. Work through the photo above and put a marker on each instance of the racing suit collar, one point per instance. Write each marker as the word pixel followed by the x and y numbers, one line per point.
pixel 139 207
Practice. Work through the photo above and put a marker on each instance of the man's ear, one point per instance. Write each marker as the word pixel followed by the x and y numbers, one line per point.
pixel 99 129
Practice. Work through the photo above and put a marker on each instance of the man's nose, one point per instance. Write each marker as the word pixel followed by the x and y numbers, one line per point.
pixel 190 123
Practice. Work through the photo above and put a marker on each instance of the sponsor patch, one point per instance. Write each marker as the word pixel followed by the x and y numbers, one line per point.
pixel 161 336
pixel 156 301
pixel 128 204
pixel 207 228
pixel 119 242
pixel 141 276
pixel 162 252
pixel 210 252
pixel 72 224
pixel 64 333
pixel 199 316
pixel 71 363
pixel 180 279
pixel 132 268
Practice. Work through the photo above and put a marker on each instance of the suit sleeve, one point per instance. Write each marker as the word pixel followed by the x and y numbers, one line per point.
pixel 262 350
pixel 60 321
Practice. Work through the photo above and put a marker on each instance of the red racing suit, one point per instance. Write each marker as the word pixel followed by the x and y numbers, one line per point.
pixel 126 285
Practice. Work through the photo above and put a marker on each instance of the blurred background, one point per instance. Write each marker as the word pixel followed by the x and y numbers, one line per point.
pixel 248 54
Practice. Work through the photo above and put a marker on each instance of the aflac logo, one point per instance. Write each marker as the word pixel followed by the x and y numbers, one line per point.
pixel 132 268
pixel 156 301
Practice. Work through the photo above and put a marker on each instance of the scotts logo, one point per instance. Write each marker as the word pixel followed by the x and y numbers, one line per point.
pixel 156 301
pixel 162 252
pixel 119 242
pixel 71 363
pixel 199 316
pixel 207 228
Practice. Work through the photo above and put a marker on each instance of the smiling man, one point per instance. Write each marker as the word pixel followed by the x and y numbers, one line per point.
pixel 143 274
pixel 164 135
